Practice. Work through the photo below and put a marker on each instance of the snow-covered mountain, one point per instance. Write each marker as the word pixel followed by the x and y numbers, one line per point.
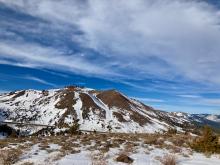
pixel 207 119
pixel 92 109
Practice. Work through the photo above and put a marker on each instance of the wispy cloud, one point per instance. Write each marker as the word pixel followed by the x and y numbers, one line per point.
pixel 32 78
pixel 212 101
pixel 35 55
pixel 56 73
pixel 189 96
pixel 200 100
pixel 129 35
pixel 147 100
pixel 188 109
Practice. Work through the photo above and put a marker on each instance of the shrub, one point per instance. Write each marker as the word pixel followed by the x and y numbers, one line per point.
pixel 168 160
pixel 172 131
pixel 208 142
pixel 74 129
pixel 98 158
pixel 9 156
pixel 124 158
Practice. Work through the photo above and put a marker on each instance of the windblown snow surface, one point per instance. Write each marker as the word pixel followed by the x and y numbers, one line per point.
pixel 141 156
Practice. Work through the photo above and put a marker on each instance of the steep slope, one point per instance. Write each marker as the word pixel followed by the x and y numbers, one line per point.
pixel 92 109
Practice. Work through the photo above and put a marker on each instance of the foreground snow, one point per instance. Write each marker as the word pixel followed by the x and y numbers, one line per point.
pixel 39 157
pixel 103 149
pixel 200 159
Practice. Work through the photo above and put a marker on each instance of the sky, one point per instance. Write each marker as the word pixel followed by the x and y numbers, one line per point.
pixel 165 53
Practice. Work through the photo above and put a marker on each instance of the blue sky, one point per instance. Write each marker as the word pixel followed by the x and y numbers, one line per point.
pixel 164 53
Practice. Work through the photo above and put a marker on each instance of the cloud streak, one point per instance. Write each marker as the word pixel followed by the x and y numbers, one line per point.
pixel 34 55
pixel 36 79
pixel 147 100
pixel 142 38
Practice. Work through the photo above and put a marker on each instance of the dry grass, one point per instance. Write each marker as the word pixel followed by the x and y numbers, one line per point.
pixel 58 156
pixel 44 146
pixel 9 156
pixel 3 143
pixel 185 155
pixel 126 143
pixel 12 148
pixel 28 163
pixel 130 147
pixel 168 160
pixel 98 158
pixel 208 154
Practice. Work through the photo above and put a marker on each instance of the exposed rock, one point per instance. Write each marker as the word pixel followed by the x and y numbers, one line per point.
pixel 124 158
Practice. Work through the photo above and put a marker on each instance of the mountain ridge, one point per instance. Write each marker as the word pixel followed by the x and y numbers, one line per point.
pixel 107 110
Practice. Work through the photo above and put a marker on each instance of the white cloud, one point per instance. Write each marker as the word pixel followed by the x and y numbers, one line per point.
pixel 188 109
pixel 183 34
pixel 203 101
pixel 147 100
pixel 213 101
pixel 189 96
pixel 200 100
pixel 166 38
pixel 35 55
pixel 33 78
